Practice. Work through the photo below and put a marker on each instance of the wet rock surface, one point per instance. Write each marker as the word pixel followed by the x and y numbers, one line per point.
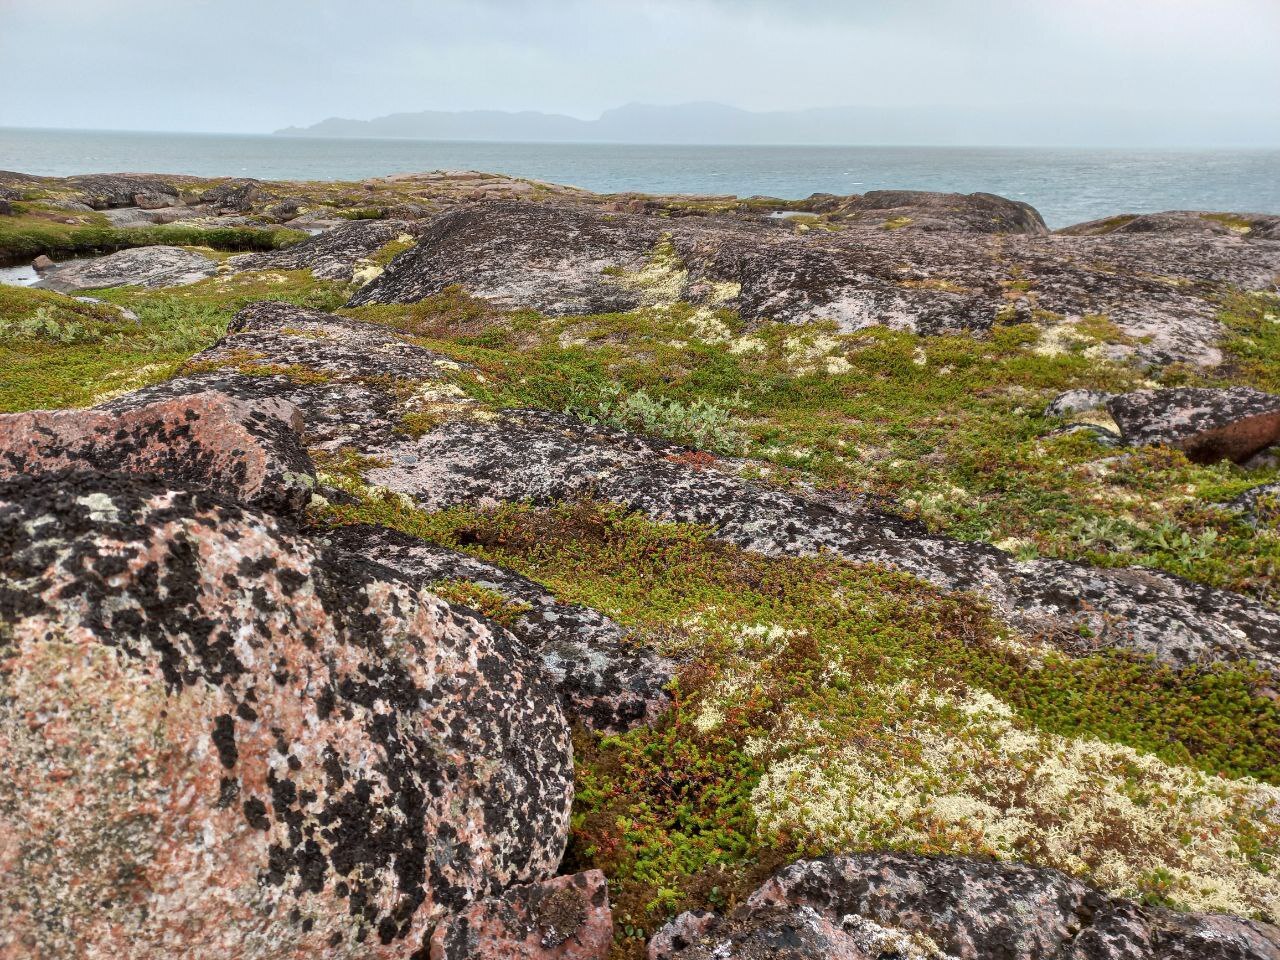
pixel 903 906
pixel 142 266
pixel 562 260
pixel 272 750
pixel 1206 424
pixel 608 682
pixel 567 918
pixel 251 453
pixel 338 254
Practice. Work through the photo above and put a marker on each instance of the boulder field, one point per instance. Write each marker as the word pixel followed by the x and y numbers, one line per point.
pixel 317 646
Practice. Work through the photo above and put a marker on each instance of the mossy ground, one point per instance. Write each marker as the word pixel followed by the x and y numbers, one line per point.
pixel 801 674
pixel 826 705
pixel 951 427
pixel 57 351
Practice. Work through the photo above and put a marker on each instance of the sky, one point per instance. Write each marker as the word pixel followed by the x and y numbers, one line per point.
pixel 1201 66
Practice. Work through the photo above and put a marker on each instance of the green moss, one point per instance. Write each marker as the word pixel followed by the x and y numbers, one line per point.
pixel 1230 221
pixel 896 223
pixel 27 237
pixel 775 645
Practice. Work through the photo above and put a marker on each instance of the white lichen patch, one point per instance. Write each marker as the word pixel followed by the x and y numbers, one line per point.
pixel 958 773
pixel 662 281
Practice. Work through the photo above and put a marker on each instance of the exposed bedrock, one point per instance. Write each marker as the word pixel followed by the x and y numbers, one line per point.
pixel 338 254
pixel 140 266
pixel 1161 290
pixel 224 740
pixel 882 906
pixel 250 452
pixel 607 681
pixel 543 457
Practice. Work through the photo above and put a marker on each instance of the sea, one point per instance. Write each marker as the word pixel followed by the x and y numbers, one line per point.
pixel 1066 185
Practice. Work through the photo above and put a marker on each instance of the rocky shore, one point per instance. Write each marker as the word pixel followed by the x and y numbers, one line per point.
pixel 451 566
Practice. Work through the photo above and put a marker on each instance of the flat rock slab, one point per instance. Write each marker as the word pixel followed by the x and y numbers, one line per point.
pixel 252 453
pixel 222 740
pixel 567 918
pixel 338 254
pixel 1161 290
pixel 1207 424
pixel 141 267
pixel 947 908
pixel 607 681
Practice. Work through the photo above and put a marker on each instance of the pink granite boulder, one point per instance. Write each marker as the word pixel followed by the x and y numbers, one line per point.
pixel 1207 424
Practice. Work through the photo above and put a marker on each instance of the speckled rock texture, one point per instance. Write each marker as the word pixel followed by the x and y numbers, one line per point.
pixel 937 212
pixel 1260 501
pixel 1207 424
pixel 1072 402
pixel 373 378
pixel 1160 290
pixel 107 191
pixel 235 196
pixel 607 682
pixel 904 906
pixel 352 381
pixel 250 453
pixel 222 740
pixel 1184 222
pixel 567 918
pixel 336 254
pixel 141 267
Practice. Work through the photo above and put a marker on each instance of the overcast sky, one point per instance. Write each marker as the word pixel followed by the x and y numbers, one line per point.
pixel 256 65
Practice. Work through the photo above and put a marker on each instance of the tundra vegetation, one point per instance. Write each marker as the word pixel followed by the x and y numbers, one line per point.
pixel 820 705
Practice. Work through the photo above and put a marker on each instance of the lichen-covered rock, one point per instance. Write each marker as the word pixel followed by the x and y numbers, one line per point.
pixel 1077 401
pixel 252 453
pixel 902 905
pixel 776 933
pixel 606 681
pixel 1259 502
pixel 358 380
pixel 224 741
pixel 353 382
pixel 340 254
pixel 1160 291
pixel 1206 424
pixel 545 458
pixel 235 196
pixel 1191 223
pixel 107 191
pixel 142 267
pixel 567 918
pixel 935 212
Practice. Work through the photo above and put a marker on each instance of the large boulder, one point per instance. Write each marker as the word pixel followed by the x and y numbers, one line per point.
pixel 567 918
pixel 1206 424
pixel 108 191
pixel 222 740
pixel 341 254
pixel 250 452
pixel 938 212
pixel 153 267
pixel 905 906
pixel 234 196
pixel 606 680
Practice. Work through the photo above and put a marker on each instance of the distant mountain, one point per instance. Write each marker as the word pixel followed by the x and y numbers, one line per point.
pixel 716 123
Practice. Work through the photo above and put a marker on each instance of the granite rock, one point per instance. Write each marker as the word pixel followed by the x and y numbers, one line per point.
pixel 152 267
pixel 1207 424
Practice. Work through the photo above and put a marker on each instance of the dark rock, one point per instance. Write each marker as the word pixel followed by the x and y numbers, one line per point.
pixel 234 196
pixel 905 906
pixel 951 212
pixel 567 918
pixel 6 208
pixel 286 209
pixel 1206 424
pixel 765 933
pixel 108 191
pixel 1259 503
pixel 606 681
pixel 1188 223
pixel 252 453
pixel 271 750
pixel 1161 291
pixel 141 266
pixel 338 254
pixel 1077 401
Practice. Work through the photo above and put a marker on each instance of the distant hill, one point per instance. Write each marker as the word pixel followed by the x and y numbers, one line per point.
pixel 716 123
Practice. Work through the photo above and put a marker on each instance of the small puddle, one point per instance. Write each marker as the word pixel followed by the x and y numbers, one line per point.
pixel 23 276
pixel 788 214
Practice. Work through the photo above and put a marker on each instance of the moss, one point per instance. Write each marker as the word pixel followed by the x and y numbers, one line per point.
pixel 794 658
pixel 27 237
pixel 1232 222
pixel 489 602
pixel 896 223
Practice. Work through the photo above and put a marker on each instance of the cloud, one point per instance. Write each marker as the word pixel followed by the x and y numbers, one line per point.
pixel 261 64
